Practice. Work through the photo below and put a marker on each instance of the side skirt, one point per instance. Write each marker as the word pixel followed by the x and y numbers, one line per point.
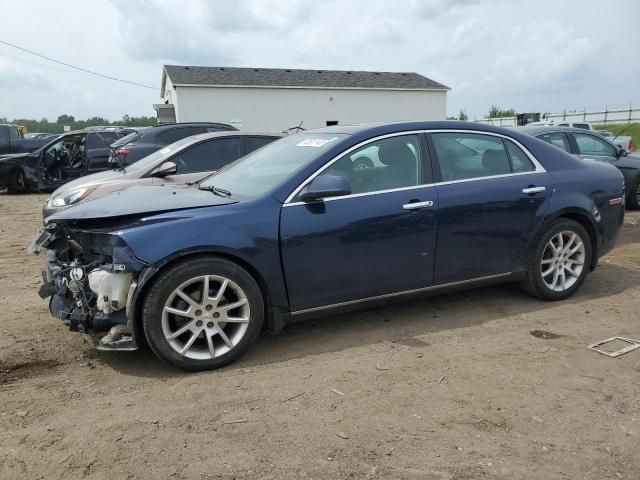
pixel 382 300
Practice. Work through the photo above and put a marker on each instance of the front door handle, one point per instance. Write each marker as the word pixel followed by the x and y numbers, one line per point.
pixel 417 205
pixel 532 190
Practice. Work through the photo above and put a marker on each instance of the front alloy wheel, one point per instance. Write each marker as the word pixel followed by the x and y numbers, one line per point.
pixel 202 314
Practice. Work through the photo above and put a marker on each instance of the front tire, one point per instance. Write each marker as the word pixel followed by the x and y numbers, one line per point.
pixel 18 182
pixel 559 262
pixel 202 313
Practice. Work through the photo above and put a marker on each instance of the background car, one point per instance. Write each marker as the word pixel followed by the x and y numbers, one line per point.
pixel 589 145
pixel 60 160
pixel 186 160
pixel 293 231
pixel 144 142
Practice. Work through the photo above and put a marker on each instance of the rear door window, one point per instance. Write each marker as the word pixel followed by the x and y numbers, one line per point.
pixel 557 139
pixel 254 143
pixel 520 163
pixel 175 134
pixel 593 145
pixel 468 155
pixel 15 133
pixel 210 155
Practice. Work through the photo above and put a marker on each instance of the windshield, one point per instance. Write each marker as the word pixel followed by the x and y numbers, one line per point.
pixel 266 168
pixel 150 159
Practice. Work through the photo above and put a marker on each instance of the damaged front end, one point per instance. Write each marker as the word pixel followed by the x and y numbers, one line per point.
pixel 90 278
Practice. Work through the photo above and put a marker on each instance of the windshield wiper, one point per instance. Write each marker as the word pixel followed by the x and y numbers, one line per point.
pixel 218 191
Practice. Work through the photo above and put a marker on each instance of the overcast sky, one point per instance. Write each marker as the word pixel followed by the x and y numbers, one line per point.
pixel 528 55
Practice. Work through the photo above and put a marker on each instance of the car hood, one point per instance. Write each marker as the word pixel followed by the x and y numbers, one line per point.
pixel 140 200
pixel 91 180
pixel 15 156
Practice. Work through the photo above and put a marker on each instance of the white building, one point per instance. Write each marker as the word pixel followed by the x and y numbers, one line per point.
pixel 268 99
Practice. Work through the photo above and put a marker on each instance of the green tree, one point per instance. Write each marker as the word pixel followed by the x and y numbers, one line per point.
pixel 463 115
pixel 496 112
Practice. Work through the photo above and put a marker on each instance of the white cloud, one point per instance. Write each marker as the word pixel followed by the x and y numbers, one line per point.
pixel 537 56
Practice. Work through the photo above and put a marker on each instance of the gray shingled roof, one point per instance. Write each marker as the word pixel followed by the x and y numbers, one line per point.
pixel 280 77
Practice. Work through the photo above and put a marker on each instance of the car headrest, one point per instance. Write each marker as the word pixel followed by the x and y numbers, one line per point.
pixel 396 153
pixel 495 162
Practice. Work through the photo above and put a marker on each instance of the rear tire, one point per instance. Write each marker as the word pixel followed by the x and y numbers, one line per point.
pixel 215 329
pixel 633 199
pixel 559 261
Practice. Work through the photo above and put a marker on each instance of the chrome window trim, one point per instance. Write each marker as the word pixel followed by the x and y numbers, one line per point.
pixel 396 294
pixel 538 168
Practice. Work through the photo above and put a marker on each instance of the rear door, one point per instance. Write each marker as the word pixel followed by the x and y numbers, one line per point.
pixel 492 195
pixel 377 241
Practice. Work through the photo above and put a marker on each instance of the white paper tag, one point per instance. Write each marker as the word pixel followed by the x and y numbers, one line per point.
pixel 313 142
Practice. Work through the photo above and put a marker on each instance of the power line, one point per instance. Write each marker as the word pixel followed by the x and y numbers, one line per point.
pixel 78 68
pixel 45 65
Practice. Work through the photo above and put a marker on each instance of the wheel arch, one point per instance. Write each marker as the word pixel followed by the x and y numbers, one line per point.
pixel 273 319
pixel 585 220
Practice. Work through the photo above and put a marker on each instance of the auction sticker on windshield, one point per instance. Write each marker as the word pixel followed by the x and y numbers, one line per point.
pixel 315 142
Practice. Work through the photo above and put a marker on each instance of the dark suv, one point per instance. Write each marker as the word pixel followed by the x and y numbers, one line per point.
pixel 140 144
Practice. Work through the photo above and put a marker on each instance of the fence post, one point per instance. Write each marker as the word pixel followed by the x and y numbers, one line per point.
pixel 630 105
pixel 584 114
pixel 606 108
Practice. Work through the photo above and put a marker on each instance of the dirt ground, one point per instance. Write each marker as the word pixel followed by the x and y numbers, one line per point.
pixel 451 387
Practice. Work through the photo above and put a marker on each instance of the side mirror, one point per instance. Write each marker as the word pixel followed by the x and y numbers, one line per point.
pixel 620 152
pixel 167 168
pixel 325 186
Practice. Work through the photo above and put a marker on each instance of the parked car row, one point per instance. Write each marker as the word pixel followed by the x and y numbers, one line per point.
pixel 589 145
pixel 187 160
pixel 623 141
pixel 95 149
pixel 320 221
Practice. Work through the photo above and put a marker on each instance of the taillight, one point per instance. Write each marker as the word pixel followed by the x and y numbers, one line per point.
pixel 121 152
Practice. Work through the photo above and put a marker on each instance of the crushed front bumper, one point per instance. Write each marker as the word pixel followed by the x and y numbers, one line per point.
pixel 90 280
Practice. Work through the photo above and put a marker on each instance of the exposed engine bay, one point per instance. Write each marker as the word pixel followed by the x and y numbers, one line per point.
pixel 89 278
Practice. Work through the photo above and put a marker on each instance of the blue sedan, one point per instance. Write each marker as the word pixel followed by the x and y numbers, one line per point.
pixel 304 227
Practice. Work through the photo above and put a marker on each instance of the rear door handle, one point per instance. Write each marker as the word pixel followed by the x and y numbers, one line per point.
pixel 532 190
pixel 417 205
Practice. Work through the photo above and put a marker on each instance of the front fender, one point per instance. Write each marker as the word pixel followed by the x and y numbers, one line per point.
pixel 247 232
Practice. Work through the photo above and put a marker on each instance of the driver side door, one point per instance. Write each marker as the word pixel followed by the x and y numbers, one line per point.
pixel 377 241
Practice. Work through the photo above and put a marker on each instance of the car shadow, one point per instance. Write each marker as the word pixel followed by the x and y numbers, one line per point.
pixel 398 322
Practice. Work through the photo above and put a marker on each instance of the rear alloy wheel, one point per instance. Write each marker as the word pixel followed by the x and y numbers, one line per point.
pixel 202 314
pixel 560 262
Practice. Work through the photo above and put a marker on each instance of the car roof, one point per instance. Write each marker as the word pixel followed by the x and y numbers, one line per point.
pixel 232 133
pixel 535 130
pixel 188 124
pixel 394 127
